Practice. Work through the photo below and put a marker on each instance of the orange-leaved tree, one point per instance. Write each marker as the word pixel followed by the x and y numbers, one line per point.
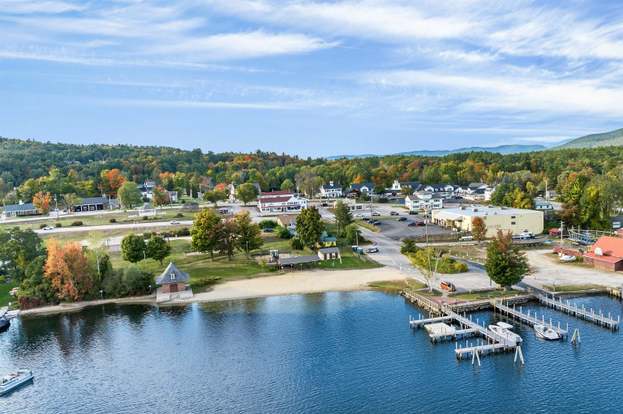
pixel 42 201
pixel 68 269
pixel 111 181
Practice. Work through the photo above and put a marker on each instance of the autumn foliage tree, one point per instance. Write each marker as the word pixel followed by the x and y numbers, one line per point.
pixel 479 229
pixel 111 181
pixel 42 201
pixel 68 270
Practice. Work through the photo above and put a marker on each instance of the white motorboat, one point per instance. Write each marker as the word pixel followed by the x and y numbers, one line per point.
pixel 503 329
pixel 15 379
pixel 546 332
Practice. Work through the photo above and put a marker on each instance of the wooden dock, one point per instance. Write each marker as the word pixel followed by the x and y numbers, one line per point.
pixel 526 318
pixel 598 318
pixel 491 342
pixel 616 292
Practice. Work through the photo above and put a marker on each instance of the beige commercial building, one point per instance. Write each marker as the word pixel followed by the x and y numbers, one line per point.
pixel 496 218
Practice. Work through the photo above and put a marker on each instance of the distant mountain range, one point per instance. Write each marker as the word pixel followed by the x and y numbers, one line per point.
pixel 605 139
pixel 500 149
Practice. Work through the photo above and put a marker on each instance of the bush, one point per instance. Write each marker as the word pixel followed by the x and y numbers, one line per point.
pixel 297 244
pixel 268 224
pixel 112 220
pixel 179 215
pixel 76 223
pixel 183 232
pixel 42 225
pixel 430 257
pixel 284 233
pixel 58 225
pixel 145 218
pixel 408 246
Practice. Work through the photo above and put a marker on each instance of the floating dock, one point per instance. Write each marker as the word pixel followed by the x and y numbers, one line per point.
pixel 527 318
pixel 598 318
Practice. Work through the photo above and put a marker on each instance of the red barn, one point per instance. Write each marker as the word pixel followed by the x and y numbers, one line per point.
pixel 606 253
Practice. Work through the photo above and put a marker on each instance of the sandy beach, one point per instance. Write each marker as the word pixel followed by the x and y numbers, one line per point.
pixel 312 281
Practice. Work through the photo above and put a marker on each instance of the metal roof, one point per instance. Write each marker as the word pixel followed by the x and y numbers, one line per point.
pixel 296 260
pixel 19 207
pixel 172 275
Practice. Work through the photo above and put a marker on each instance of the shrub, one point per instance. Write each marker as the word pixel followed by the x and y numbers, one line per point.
pixel 284 233
pixel 268 224
pixel 58 224
pixel 145 218
pixel 408 246
pixel 430 257
pixel 42 225
pixel 76 223
pixel 112 220
pixel 179 215
pixel 297 244
pixel 183 232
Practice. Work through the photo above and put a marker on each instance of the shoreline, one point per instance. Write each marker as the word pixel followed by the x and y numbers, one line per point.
pixel 299 283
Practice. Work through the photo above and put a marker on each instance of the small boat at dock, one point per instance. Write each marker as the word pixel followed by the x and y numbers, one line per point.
pixel 546 332
pixel 504 329
pixel 4 324
pixel 14 380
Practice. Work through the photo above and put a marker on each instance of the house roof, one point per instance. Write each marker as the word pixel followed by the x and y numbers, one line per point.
pixel 276 193
pixel 476 185
pixel 172 275
pixel 327 250
pixel 276 199
pixel 295 260
pixel 359 186
pixel 93 200
pixel 19 207
pixel 606 259
pixel 610 247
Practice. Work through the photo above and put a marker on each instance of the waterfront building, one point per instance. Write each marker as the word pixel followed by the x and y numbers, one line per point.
pixel 173 284
pixel 517 221
pixel 606 254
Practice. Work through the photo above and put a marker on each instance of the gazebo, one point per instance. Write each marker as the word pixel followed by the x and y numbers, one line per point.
pixel 172 279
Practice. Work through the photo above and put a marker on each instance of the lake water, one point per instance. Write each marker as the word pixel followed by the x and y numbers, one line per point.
pixel 333 352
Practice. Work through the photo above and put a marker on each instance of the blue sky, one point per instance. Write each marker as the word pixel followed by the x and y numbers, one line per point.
pixel 310 77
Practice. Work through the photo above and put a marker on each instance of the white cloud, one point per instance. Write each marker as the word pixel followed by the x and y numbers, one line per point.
pixel 47 7
pixel 244 45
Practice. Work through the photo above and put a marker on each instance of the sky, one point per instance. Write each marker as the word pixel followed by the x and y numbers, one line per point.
pixel 313 78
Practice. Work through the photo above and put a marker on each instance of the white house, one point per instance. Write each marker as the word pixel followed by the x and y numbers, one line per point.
pixel 330 190
pixel 424 201
pixel 279 202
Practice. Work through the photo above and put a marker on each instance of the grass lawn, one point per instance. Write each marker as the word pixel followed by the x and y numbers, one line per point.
pixel 203 270
pixel 395 286
pixel 5 298
pixel 349 261
pixel 572 288
pixel 368 226
pixel 489 294
pixel 476 253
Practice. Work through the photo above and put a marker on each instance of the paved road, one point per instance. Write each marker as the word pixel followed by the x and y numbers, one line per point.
pixel 118 226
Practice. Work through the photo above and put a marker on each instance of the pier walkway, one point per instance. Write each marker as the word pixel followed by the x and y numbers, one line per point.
pixel 581 312
pixel 526 318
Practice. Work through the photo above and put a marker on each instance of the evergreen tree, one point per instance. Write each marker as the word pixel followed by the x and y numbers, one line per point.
pixel 309 227
pixel 505 264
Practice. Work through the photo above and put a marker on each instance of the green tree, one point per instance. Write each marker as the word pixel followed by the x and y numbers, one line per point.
pixel 353 234
pixel 249 233
pixel 287 185
pixel 408 247
pixel 227 237
pixel 160 197
pixel 70 200
pixel 35 289
pixel 135 281
pixel 505 264
pixel 18 248
pixel 128 194
pixel 157 248
pixel 246 192
pixel 204 231
pixel 215 196
pixel 133 248
pixel 343 217
pixel 479 229
pixel 309 227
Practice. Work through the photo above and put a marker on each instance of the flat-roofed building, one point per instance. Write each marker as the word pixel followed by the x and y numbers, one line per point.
pixel 279 202
pixel 516 220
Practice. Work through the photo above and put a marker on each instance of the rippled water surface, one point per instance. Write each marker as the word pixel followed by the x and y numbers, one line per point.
pixel 334 352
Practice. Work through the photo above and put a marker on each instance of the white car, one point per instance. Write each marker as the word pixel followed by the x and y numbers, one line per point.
pixel 466 238
pixel 47 228
pixel 174 222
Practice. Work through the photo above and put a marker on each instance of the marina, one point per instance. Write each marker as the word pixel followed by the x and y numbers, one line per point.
pixel 587 314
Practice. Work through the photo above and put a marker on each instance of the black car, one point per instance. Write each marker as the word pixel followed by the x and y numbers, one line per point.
pixel 402 219
pixel 412 224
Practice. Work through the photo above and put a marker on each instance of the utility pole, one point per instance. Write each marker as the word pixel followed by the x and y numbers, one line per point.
pixel 562 223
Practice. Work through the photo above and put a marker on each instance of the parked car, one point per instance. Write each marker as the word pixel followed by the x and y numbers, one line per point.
pixel 448 286
pixel 402 219
pixel 412 224
pixel 47 228
pixel 376 214
pixel 524 235
pixel 412 213
pixel 372 250
pixel 420 223
pixel 466 238
pixel 394 213
pixel 174 222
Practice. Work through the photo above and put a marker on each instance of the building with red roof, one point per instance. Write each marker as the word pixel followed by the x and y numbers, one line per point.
pixel 606 253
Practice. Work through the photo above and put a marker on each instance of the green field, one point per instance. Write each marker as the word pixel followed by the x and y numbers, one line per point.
pixel 489 294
